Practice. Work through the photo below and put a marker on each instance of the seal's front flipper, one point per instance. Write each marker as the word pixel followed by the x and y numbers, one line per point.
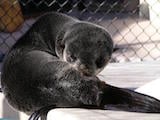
pixel 127 100
pixel 41 113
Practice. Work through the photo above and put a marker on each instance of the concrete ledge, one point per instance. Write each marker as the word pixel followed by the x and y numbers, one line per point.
pixel 84 114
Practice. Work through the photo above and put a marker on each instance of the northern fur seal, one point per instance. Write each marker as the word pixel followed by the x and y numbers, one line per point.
pixel 36 74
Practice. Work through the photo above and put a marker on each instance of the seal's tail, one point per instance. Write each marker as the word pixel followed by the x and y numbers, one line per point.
pixel 127 100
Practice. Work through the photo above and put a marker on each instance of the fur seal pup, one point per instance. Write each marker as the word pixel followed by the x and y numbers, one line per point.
pixel 40 71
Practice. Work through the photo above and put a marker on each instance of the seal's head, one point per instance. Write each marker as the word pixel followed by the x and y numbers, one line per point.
pixel 87 47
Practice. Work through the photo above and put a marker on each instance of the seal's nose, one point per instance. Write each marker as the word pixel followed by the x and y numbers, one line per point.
pixel 86 70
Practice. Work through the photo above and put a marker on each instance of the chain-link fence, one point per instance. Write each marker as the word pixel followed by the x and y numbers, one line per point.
pixel 133 24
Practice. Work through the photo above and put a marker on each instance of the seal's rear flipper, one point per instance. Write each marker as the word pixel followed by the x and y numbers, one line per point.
pixel 127 100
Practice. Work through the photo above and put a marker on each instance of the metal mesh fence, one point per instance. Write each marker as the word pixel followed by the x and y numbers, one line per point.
pixel 133 24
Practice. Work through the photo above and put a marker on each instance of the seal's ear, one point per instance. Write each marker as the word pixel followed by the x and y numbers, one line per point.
pixel 60 45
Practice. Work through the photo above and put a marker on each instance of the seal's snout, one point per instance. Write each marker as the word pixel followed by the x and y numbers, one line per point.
pixel 86 70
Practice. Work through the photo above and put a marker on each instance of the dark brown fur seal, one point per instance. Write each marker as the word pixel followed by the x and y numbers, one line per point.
pixel 39 69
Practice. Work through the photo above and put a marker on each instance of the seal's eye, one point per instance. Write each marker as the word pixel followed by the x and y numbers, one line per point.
pixel 71 58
